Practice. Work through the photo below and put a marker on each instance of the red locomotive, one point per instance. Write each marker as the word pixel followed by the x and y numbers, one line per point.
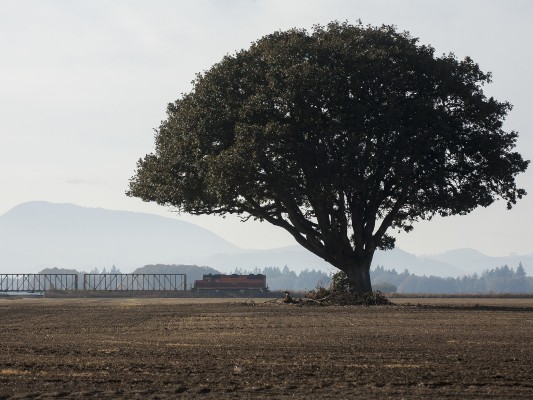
pixel 234 282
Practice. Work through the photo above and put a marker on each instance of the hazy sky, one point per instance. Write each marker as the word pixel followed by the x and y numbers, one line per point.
pixel 84 83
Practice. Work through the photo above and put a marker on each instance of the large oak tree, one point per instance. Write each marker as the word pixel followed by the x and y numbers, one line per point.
pixel 338 135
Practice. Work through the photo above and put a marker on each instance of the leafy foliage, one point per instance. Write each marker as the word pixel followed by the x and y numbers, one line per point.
pixel 337 136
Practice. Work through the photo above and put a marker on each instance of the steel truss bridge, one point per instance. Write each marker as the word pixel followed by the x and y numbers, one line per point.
pixel 92 282
pixel 124 282
pixel 37 282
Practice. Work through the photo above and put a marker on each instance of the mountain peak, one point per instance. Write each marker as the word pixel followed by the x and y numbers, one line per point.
pixel 40 234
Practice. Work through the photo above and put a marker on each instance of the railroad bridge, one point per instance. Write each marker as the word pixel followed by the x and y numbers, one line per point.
pixel 92 282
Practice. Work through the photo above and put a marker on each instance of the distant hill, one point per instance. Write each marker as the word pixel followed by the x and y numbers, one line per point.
pixel 39 235
pixel 472 261
pixel 298 259
pixel 450 264
pixel 295 257
pixel 401 260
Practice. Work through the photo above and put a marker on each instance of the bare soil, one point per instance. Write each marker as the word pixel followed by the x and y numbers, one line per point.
pixel 186 348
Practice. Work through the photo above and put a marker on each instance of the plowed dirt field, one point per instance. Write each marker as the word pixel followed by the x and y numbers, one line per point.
pixel 179 348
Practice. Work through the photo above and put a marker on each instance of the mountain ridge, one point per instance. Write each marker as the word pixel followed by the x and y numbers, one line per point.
pixel 39 234
pixel 34 235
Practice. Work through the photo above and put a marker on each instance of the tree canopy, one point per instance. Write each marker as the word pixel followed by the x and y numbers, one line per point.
pixel 337 135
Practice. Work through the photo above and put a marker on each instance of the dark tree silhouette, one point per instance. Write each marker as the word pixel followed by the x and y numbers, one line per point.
pixel 338 136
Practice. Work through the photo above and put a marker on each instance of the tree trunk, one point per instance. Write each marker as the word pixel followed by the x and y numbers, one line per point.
pixel 358 273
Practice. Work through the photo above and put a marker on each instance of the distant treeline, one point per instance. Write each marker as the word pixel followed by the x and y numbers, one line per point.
pixel 285 279
pixel 498 280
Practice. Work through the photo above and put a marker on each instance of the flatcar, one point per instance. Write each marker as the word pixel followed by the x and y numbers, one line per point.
pixel 233 282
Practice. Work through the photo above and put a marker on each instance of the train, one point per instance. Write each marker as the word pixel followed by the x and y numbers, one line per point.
pixel 220 283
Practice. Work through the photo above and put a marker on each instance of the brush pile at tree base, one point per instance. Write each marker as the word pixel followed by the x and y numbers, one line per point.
pixel 339 294
pixel 337 297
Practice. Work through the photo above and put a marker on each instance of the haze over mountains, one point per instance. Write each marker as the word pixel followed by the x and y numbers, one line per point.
pixel 37 235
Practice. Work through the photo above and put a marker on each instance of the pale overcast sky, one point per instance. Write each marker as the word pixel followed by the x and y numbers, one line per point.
pixel 84 83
